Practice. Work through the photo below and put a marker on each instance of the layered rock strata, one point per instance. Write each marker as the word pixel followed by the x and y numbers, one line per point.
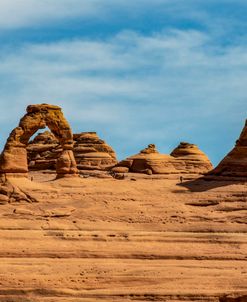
pixel 186 158
pixel 148 161
pixel 13 159
pixel 43 152
pixel 194 159
pixel 91 152
pixel 235 162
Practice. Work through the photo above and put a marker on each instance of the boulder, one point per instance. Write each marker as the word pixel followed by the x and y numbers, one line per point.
pixel 196 161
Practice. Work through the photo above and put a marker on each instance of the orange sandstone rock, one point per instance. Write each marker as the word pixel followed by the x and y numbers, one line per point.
pixel 14 156
pixel 149 161
pixel 235 162
pixel 91 153
pixel 195 160
pixel 43 152
pixel 186 159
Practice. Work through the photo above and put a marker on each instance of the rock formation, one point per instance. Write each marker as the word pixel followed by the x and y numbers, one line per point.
pixel 43 152
pixel 13 159
pixel 235 162
pixel 195 160
pixel 91 153
pixel 185 159
pixel 148 161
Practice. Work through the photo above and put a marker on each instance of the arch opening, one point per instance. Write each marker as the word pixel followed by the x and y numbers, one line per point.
pixel 13 159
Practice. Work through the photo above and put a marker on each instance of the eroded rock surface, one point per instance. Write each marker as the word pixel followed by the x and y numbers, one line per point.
pixel 195 160
pixel 91 152
pixel 235 162
pixel 43 152
pixel 185 159
pixel 107 240
pixel 13 159
pixel 148 161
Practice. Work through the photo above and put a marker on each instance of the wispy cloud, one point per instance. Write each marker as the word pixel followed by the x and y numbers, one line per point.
pixel 24 13
pixel 16 14
pixel 135 88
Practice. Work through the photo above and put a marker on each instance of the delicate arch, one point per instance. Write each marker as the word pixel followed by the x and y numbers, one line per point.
pixel 14 156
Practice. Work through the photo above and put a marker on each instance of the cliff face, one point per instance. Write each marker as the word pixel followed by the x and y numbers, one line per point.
pixel 235 162
pixel 90 151
pixel 194 159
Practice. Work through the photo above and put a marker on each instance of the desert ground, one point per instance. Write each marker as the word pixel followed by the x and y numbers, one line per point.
pixel 142 238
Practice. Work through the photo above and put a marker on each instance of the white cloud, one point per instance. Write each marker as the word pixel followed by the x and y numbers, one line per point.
pixel 165 87
pixel 25 13
pixel 15 14
pixel 21 13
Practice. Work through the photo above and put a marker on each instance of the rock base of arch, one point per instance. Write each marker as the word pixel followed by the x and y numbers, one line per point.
pixel 13 160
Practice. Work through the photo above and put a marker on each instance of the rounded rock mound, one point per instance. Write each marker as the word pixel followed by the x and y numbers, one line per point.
pixel 148 161
pixel 194 159
pixel 91 152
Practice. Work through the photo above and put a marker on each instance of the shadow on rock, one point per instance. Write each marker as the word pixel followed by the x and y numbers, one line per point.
pixel 205 184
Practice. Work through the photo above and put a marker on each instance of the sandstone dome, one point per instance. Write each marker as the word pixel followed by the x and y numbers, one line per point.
pixel 195 160
pixel 91 152
pixel 149 161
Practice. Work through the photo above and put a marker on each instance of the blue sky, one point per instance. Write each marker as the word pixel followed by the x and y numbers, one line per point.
pixel 137 72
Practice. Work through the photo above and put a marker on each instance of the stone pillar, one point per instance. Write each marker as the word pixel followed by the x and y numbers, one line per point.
pixel 66 164
pixel 13 160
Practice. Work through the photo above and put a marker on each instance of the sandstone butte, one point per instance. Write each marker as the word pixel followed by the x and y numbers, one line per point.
pixel 185 159
pixel 91 152
pixel 143 238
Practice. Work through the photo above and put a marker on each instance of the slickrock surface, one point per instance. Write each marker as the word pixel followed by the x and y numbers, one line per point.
pixel 144 238
pixel 195 160
pixel 91 152
pixel 235 162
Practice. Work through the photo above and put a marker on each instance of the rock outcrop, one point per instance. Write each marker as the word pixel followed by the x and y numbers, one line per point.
pixel 43 152
pixel 185 159
pixel 91 152
pixel 235 162
pixel 148 161
pixel 195 160
pixel 13 159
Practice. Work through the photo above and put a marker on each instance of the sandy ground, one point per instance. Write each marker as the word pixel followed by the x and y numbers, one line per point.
pixel 143 238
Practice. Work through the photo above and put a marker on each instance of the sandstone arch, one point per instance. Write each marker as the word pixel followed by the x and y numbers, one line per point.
pixel 13 159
